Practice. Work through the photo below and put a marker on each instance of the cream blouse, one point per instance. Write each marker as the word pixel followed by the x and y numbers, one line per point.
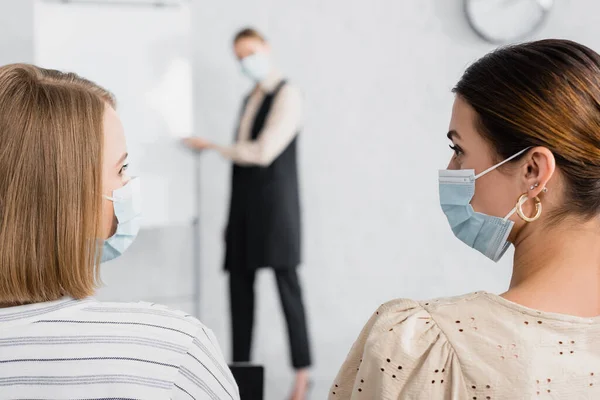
pixel 281 126
pixel 479 346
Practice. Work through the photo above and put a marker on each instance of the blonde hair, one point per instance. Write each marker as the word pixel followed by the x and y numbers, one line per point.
pixel 51 140
pixel 248 33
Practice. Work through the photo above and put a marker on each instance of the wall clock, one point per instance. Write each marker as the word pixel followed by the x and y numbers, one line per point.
pixel 506 21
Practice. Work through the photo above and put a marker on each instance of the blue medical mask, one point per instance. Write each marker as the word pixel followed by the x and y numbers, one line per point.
pixel 256 66
pixel 484 233
pixel 128 210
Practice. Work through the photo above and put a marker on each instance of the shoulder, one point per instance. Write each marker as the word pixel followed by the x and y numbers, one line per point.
pixel 165 346
pixel 289 90
pixel 438 307
pixel 404 352
pixel 180 339
pixel 406 308
pixel 439 328
pixel 146 318
pixel 152 310
pixel 463 314
pixel 410 330
pixel 454 301
pixel 411 317
pixel 289 85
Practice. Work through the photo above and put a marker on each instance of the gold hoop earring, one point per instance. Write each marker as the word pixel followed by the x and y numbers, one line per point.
pixel 538 208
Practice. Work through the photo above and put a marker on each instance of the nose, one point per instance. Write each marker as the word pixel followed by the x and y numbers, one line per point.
pixel 452 164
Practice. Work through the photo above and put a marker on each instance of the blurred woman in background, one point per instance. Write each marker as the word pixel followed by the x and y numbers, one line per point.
pixel 525 132
pixel 264 225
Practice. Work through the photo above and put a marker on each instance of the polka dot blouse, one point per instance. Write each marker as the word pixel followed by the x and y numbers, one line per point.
pixel 479 346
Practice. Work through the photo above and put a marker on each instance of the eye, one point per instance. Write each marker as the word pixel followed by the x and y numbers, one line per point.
pixel 456 149
pixel 123 168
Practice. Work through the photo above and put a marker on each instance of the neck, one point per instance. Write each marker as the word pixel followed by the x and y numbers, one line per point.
pixel 270 81
pixel 558 269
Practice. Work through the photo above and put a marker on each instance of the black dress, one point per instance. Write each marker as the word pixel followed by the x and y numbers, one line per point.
pixel 264 229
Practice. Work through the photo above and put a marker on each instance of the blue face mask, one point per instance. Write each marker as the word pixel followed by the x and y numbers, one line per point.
pixel 128 210
pixel 256 66
pixel 484 233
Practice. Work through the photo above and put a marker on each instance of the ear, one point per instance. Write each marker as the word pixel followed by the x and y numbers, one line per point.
pixel 538 169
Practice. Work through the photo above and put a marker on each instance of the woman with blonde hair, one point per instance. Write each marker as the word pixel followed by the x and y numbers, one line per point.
pixel 66 204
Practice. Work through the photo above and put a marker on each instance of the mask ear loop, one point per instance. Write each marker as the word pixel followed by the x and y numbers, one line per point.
pixel 113 199
pixel 490 169
pixel 519 210
pixel 117 199
pixel 538 209
pixel 522 200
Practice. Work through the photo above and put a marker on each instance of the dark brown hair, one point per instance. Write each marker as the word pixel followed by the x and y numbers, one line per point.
pixel 544 93
pixel 51 139
pixel 248 33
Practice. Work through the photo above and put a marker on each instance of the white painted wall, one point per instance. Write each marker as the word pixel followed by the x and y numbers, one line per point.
pixel 144 59
pixel 16 31
pixel 377 79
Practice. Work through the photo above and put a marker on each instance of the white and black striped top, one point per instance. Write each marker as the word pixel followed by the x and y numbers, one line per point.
pixel 85 349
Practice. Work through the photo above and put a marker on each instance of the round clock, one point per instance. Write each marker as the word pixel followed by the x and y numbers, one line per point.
pixel 505 21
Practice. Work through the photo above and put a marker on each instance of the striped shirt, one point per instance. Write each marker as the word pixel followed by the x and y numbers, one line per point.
pixel 85 349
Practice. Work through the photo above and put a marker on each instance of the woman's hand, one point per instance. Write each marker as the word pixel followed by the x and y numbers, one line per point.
pixel 197 143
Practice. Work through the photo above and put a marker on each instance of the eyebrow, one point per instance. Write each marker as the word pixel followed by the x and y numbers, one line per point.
pixel 453 134
pixel 122 159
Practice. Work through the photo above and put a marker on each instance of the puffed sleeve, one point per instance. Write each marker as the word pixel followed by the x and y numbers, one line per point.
pixel 401 353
